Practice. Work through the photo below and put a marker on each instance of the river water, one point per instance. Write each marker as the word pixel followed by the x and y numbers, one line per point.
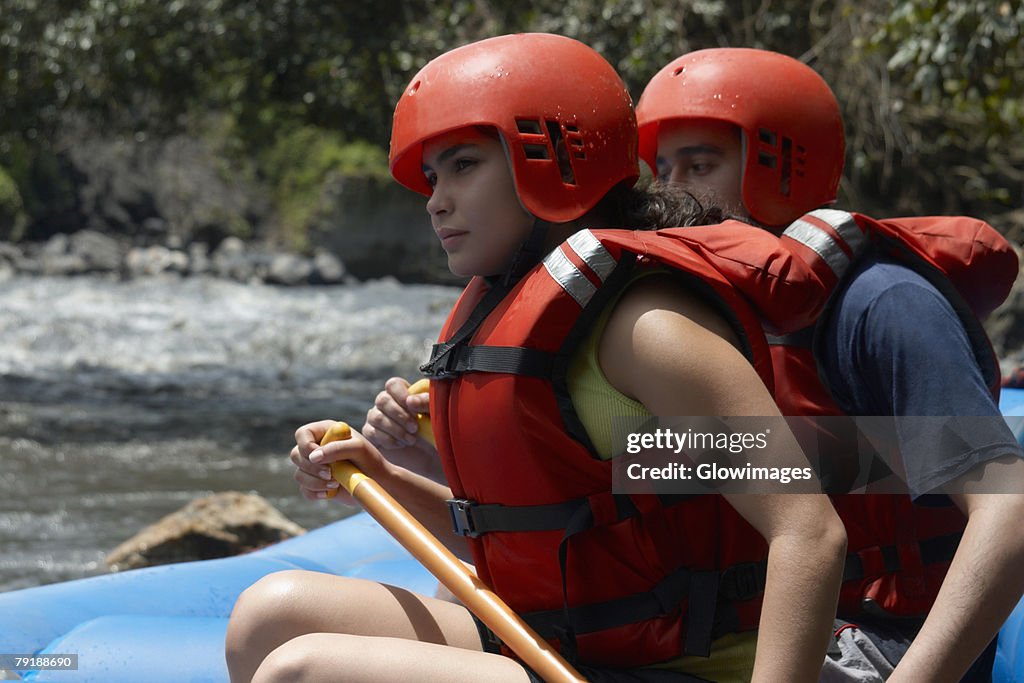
pixel 121 402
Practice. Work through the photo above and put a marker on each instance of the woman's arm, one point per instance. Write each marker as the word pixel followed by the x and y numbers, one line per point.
pixel 421 496
pixel 984 583
pixel 392 427
pixel 661 337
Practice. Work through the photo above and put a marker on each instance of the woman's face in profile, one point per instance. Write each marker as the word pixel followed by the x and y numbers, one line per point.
pixel 474 208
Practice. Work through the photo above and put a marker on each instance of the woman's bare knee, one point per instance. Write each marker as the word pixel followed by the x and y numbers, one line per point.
pixel 272 611
pixel 289 604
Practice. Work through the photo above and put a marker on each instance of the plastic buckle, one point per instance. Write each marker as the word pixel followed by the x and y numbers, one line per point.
pixel 462 517
pixel 442 362
pixel 743 582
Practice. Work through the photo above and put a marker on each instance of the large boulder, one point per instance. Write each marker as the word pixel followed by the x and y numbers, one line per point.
pixel 85 251
pixel 219 525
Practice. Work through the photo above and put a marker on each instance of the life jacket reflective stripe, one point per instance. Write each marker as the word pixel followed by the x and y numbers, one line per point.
pixel 899 552
pixel 516 456
pixel 834 235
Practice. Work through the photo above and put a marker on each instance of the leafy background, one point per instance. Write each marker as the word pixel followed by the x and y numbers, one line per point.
pixel 288 93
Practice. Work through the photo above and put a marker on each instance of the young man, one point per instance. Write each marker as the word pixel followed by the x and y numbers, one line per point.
pixel 760 135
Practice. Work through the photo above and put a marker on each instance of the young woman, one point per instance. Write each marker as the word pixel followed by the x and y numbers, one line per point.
pixel 521 142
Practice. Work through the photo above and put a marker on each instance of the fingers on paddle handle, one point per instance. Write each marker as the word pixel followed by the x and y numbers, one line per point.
pixel 420 386
pixel 426 430
pixel 339 431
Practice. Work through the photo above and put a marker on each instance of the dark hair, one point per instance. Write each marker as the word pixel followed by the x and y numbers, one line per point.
pixel 652 205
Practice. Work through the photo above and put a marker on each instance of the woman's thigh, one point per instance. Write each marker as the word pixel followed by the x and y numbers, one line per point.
pixel 297 602
pixel 359 659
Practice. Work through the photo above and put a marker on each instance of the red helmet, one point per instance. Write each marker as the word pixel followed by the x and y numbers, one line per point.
pixel 792 128
pixel 545 94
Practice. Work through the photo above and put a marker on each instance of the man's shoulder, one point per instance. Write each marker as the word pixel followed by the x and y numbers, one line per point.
pixel 874 279
pixel 881 273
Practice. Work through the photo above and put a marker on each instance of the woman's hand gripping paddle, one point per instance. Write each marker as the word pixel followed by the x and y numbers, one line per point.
pixel 424 427
pixel 464 584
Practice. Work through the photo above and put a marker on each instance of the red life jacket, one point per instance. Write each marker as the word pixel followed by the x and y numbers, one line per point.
pixel 617 580
pixel 899 552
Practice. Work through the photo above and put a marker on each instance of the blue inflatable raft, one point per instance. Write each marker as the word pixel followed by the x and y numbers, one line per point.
pixel 167 624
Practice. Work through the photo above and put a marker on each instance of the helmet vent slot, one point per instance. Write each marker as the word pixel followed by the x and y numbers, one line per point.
pixel 529 126
pixel 766 159
pixel 787 166
pixel 766 136
pixel 561 152
pixel 536 151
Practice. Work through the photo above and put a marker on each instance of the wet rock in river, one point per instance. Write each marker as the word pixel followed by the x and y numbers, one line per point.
pixel 219 525
pixel 289 269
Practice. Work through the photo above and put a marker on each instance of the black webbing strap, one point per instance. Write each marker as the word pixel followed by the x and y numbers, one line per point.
pixel 513 360
pixel 599 616
pixel 441 356
pixel 933 551
pixel 470 518
pixel 565 631
pixel 446 356
pixel 738 583
pixel 706 591
pixel 473 519
pixel 801 338
pixel 700 614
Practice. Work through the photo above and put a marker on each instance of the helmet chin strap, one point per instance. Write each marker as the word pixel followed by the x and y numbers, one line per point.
pixel 529 254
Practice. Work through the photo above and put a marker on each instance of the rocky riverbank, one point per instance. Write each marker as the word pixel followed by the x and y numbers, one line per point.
pixel 193 204
pixel 90 252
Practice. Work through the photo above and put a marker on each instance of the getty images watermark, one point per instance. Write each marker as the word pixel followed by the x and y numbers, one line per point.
pixel 716 469
pixel 696 455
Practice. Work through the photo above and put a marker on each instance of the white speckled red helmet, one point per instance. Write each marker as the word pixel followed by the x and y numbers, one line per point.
pixel 545 94
pixel 791 124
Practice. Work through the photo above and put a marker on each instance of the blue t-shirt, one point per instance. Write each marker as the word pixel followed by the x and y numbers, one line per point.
pixel 894 346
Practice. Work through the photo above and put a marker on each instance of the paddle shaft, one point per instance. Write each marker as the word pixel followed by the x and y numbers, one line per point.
pixel 450 571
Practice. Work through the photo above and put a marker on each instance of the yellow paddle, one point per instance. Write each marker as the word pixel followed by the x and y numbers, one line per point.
pixel 426 430
pixel 449 570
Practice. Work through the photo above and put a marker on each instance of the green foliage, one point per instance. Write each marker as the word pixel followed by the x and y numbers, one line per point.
pixel 929 88
pixel 298 165
pixel 933 105
pixel 143 63
pixel 963 52
pixel 12 214
pixel 42 185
